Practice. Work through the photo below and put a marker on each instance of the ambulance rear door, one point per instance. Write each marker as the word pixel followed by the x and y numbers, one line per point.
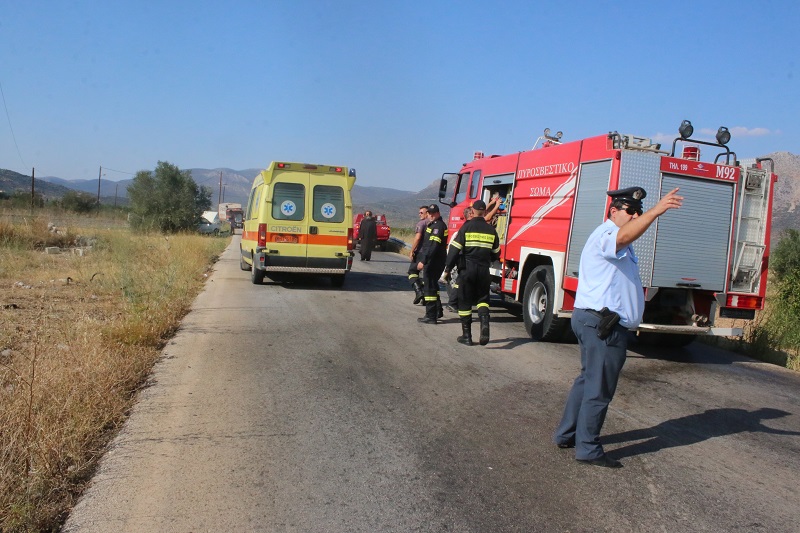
pixel 287 219
pixel 329 219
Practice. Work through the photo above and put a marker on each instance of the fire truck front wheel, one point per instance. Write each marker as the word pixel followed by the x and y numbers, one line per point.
pixel 538 306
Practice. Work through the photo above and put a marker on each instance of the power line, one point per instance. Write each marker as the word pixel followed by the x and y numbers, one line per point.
pixel 10 126
pixel 120 171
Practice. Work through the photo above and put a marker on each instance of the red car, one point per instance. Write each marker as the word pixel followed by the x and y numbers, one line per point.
pixel 384 231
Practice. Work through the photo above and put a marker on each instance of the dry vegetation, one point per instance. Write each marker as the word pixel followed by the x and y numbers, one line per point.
pixel 79 335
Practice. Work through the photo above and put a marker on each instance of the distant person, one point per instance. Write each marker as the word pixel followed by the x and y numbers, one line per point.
pixel 368 235
pixel 413 271
pixel 609 301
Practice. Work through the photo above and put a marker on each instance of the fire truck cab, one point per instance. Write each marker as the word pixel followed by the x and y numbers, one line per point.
pixel 706 259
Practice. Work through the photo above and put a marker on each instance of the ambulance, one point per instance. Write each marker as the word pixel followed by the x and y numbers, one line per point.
pixel 299 219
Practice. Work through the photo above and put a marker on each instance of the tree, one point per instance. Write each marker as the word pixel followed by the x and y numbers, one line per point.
pixel 168 200
pixel 79 202
pixel 785 257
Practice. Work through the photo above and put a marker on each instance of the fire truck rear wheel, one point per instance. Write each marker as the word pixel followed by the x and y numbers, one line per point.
pixel 538 306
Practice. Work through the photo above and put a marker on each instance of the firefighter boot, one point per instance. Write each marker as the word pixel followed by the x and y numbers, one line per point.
pixel 418 294
pixel 430 313
pixel 466 333
pixel 439 310
pixel 484 318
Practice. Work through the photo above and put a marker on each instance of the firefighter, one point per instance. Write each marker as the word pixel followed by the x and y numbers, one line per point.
pixel 452 286
pixel 609 301
pixel 430 260
pixel 413 271
pixel 478 243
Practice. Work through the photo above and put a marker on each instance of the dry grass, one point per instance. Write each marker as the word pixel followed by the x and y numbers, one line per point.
pixel 79 336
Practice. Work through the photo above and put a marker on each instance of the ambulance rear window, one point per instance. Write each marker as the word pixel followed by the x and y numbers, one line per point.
pixel 328 203
pixel 289 201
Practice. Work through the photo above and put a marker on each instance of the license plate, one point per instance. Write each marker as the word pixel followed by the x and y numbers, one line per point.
pixel 286 238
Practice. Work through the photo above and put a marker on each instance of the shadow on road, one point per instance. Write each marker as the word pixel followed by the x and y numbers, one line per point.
pixel 692 429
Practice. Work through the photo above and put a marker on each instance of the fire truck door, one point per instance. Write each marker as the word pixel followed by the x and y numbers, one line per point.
pixel 501 186
pixel 589 209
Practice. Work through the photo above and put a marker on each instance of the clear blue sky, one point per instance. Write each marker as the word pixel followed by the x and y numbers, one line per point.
pixel 402 91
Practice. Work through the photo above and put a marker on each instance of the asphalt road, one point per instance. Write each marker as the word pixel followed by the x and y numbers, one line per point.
pixel 297 407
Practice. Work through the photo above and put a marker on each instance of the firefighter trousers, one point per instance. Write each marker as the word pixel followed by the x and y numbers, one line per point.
pixel 474 282
pixel 430 280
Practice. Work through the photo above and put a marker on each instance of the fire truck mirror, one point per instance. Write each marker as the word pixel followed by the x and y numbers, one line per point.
pixel 443 186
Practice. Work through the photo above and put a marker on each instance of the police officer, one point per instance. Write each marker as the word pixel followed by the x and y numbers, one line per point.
pixel 609 290
pixel 479 245
pixel 430 261
pixel 413 271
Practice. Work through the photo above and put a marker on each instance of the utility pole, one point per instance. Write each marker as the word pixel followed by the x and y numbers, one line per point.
pixel 223 193
pixel 219 197
pixel 116 190
pixel 33 188
pixel 99 174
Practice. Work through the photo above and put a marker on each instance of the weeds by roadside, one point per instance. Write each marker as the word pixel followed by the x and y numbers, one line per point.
pixel 80 334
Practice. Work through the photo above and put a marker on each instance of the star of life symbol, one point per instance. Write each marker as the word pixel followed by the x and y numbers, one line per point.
pixel 288 208
pixel 328 210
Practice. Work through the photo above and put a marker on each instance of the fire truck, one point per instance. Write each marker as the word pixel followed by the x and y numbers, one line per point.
pixel 707 259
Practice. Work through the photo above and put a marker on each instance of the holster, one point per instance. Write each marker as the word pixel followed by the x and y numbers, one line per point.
pixel 608 319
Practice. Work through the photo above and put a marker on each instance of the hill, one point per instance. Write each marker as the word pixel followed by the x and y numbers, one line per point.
pixel 399 206
pixel 786 208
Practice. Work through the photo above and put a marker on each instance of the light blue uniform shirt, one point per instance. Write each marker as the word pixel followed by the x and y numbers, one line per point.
pixel 607 278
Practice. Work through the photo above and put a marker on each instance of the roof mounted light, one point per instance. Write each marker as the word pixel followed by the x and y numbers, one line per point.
pixel 723 135
pixel 686 129
pixel 549 137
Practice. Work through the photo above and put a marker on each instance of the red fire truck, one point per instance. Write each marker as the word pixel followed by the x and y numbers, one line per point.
pixel 706 259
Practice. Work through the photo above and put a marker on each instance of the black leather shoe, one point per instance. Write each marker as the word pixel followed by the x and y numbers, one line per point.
pixel 565 445
pixel 604 461
pixel 427 320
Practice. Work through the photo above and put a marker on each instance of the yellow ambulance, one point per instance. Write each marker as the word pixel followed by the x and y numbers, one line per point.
pixel 299 218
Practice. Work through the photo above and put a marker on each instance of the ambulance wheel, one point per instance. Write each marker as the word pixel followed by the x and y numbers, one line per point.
pixel 337 280
pixel 256 275
pixel 242 263
pixel 538 304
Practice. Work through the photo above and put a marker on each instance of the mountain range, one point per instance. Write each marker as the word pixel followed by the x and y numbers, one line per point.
pixel 399 206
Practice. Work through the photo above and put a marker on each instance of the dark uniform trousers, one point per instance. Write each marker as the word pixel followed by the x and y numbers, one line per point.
pixel 430 281
pixel 474 282
pixel 593 389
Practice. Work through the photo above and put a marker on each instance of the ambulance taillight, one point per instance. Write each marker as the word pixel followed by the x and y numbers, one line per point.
pixel 262 235
pixel 350 241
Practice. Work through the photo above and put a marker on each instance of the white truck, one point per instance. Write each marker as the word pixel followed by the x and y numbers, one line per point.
pixel 223 209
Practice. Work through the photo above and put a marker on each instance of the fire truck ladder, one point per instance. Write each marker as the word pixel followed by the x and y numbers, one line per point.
pixel 750 229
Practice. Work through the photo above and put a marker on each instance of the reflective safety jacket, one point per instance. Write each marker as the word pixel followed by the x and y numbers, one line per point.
pixel 434 243
pixel 477 241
